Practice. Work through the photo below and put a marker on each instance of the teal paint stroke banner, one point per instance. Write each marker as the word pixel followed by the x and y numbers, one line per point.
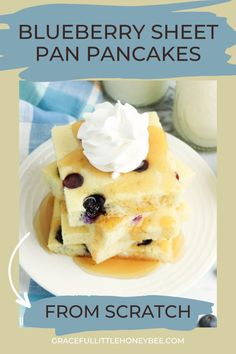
pixel 72 314
pixel 22 53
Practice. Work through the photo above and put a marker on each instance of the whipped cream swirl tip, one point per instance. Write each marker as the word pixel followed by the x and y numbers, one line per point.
pixel 115 137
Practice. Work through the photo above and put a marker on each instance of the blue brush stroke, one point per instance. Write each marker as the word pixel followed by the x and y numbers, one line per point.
pixel 21 53
pixel 36 315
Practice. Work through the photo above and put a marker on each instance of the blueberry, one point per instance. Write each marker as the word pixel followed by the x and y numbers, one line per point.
pixel 142 167
pixel 58 236
pixel 74 180
pixel 86 219
pixel 145 242
pixel 94 206
pixel 208 321
pixel 137 219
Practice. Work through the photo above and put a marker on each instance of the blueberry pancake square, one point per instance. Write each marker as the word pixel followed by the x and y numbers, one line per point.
pixel 91 193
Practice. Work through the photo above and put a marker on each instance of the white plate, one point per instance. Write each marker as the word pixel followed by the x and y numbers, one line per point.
pixel 61 276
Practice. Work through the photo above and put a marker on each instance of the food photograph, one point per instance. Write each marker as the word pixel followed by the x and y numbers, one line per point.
pixel 118 188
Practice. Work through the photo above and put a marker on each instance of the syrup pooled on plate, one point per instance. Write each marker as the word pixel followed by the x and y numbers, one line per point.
pixel 42 220
pixel 117 267
pixel 126 268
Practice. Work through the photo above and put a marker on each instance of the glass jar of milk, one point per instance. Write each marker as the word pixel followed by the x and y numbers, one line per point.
pixel 195 113
pixel 139 93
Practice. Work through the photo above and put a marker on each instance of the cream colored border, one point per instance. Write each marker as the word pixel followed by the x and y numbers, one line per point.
pixel 198 341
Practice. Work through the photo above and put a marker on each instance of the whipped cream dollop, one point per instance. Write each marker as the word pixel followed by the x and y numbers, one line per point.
pixel 115 137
